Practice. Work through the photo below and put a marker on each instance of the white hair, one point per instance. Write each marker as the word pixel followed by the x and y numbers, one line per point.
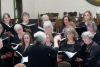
pixel 17 26
pixel 40 37
pixel 45 17
pixel 48 24
pixel 87 34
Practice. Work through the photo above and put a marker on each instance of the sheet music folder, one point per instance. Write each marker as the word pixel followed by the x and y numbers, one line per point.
pixel 68 54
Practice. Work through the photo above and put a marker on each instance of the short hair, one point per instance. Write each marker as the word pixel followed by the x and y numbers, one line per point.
pixel 48 24
pixel 25 14
pixel 71 30
pixel 43 17
pixel 17 26
pixel 87 34
pixel 40 37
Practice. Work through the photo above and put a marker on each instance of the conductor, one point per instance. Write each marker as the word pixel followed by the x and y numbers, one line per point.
pixel 41 55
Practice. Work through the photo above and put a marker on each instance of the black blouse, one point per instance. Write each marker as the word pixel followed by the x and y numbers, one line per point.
pixel 69 47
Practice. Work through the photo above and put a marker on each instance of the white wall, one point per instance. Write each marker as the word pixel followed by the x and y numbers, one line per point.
pixel 43 6
pixel 7 7
pixel 29 6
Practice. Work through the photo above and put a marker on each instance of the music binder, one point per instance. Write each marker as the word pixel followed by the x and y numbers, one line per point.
pixel 80 30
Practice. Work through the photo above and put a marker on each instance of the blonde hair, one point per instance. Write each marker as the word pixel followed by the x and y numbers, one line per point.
pixel 51 37
pixel 89 12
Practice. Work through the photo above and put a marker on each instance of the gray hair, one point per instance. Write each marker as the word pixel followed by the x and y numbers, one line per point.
pixel 25 14
pixel 87 34
pixel 93 26
pixel 71 30
pixel 5 15
pixel 45 16
pixel 48 24
pixel 1 27
pixel 40 37
pixel 17 26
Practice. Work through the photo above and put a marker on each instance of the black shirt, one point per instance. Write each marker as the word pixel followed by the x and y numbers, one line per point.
pixel 69 47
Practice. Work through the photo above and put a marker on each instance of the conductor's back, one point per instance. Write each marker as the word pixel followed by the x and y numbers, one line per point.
pixel 40 55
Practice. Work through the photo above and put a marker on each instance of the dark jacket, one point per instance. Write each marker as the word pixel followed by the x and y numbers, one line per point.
pixel 90 55
pixel 96 38
pixel 42 56
pixel 82 24
pixel 6 39
pixel 15 40
pixel 24 52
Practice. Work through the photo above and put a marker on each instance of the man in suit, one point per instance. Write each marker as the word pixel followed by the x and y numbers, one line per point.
pixel 41 55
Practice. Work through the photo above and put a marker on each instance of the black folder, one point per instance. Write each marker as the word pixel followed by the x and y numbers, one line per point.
pixel 8 28
pixel 80 30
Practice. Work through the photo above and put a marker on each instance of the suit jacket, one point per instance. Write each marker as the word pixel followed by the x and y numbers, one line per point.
pixel 42 56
